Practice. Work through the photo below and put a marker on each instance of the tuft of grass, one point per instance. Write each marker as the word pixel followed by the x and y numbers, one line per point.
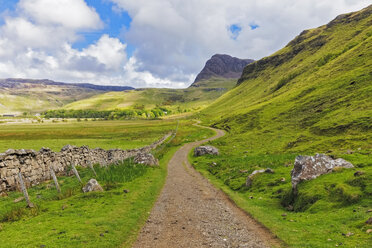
pixel 121 173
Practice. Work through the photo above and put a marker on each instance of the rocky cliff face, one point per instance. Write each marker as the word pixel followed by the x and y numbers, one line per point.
pixel 221 65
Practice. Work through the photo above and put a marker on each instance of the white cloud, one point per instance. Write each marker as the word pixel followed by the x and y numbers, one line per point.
pixel 173 38
pixel 73 14
pixel 108 51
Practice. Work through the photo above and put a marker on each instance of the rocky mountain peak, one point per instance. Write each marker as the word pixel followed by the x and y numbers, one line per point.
pixel 222 65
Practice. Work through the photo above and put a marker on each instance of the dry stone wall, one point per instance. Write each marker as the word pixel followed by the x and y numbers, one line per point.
pixel 34 166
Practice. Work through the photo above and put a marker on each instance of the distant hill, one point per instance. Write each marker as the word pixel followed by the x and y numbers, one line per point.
pixel 34 96
pixel 26 83
pixel 222 66
pixel 177 100
pixel 218 76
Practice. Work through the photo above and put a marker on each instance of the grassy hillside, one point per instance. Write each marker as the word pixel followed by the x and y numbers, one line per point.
pixel 35 98
pixel 180 100
pixel 318 88
pixel 312 96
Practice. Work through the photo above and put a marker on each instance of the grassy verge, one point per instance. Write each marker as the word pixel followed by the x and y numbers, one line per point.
pixel 100 219
pixel 330 210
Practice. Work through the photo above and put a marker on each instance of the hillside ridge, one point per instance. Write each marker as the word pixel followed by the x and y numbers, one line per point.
pixel 19 82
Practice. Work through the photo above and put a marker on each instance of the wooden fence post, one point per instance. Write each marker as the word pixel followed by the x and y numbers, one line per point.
pixel 54 178
pixel 24 190
pixel 76 172
pixel 90 165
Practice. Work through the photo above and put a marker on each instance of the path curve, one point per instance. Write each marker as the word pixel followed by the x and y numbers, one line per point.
pixel 190 212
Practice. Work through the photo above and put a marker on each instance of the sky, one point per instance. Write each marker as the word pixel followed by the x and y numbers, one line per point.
pixel 147 43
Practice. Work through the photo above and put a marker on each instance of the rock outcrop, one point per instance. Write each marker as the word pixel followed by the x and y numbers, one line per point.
pixel 249 180
pixel 310 167
pixel 203 150
pixel 221 65
pixel 146 159
pixel 92 186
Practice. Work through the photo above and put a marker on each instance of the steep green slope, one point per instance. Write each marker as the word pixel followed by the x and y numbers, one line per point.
pixel 317 88
pixel 312 96
pixel 189 99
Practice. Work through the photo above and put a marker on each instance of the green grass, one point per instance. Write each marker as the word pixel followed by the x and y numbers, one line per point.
pixel 326 208
pixel 312 96
pixel 104 134
pixel 34 98
pixel 177 100
pixel 103 219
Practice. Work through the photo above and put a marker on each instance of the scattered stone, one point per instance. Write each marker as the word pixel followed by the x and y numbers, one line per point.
pixel 290 208
pixel 146 159
pixel 359 148
pixel 19 199
pixel 369 231
pixel 359 173
pixel 369 210
pixel 64 207
pixel 102 235
pixel 310 167
pixel 203 150
pixel 251 197
pixel 3 194
pixel 126 191
pixel 91 186
pixel 282 179
pixel 284 215
pixel 369 221
pixel 349 234
pixel 38 196
pixel 42 246
pixel 249 180
pixel 349 151
pixel 243 171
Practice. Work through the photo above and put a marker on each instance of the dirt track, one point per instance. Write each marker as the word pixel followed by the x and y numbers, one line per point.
pixel 190 212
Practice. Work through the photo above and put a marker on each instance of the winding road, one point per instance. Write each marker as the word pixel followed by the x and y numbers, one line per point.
pixel 190 212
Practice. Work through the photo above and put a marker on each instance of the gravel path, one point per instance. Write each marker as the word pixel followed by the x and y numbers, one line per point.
pixel 190 212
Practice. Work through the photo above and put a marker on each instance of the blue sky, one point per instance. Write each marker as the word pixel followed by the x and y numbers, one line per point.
pixel 115 23
pixel 147 43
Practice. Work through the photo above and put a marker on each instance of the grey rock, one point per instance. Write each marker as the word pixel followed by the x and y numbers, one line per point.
pixel 221 65
pixel 67 148
pixel 310 167
pixel 19 199
pixel 249 180
pixel 369 221
pixel 359 173
pixel 91 186
pixel 203 150
pixel 146 159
